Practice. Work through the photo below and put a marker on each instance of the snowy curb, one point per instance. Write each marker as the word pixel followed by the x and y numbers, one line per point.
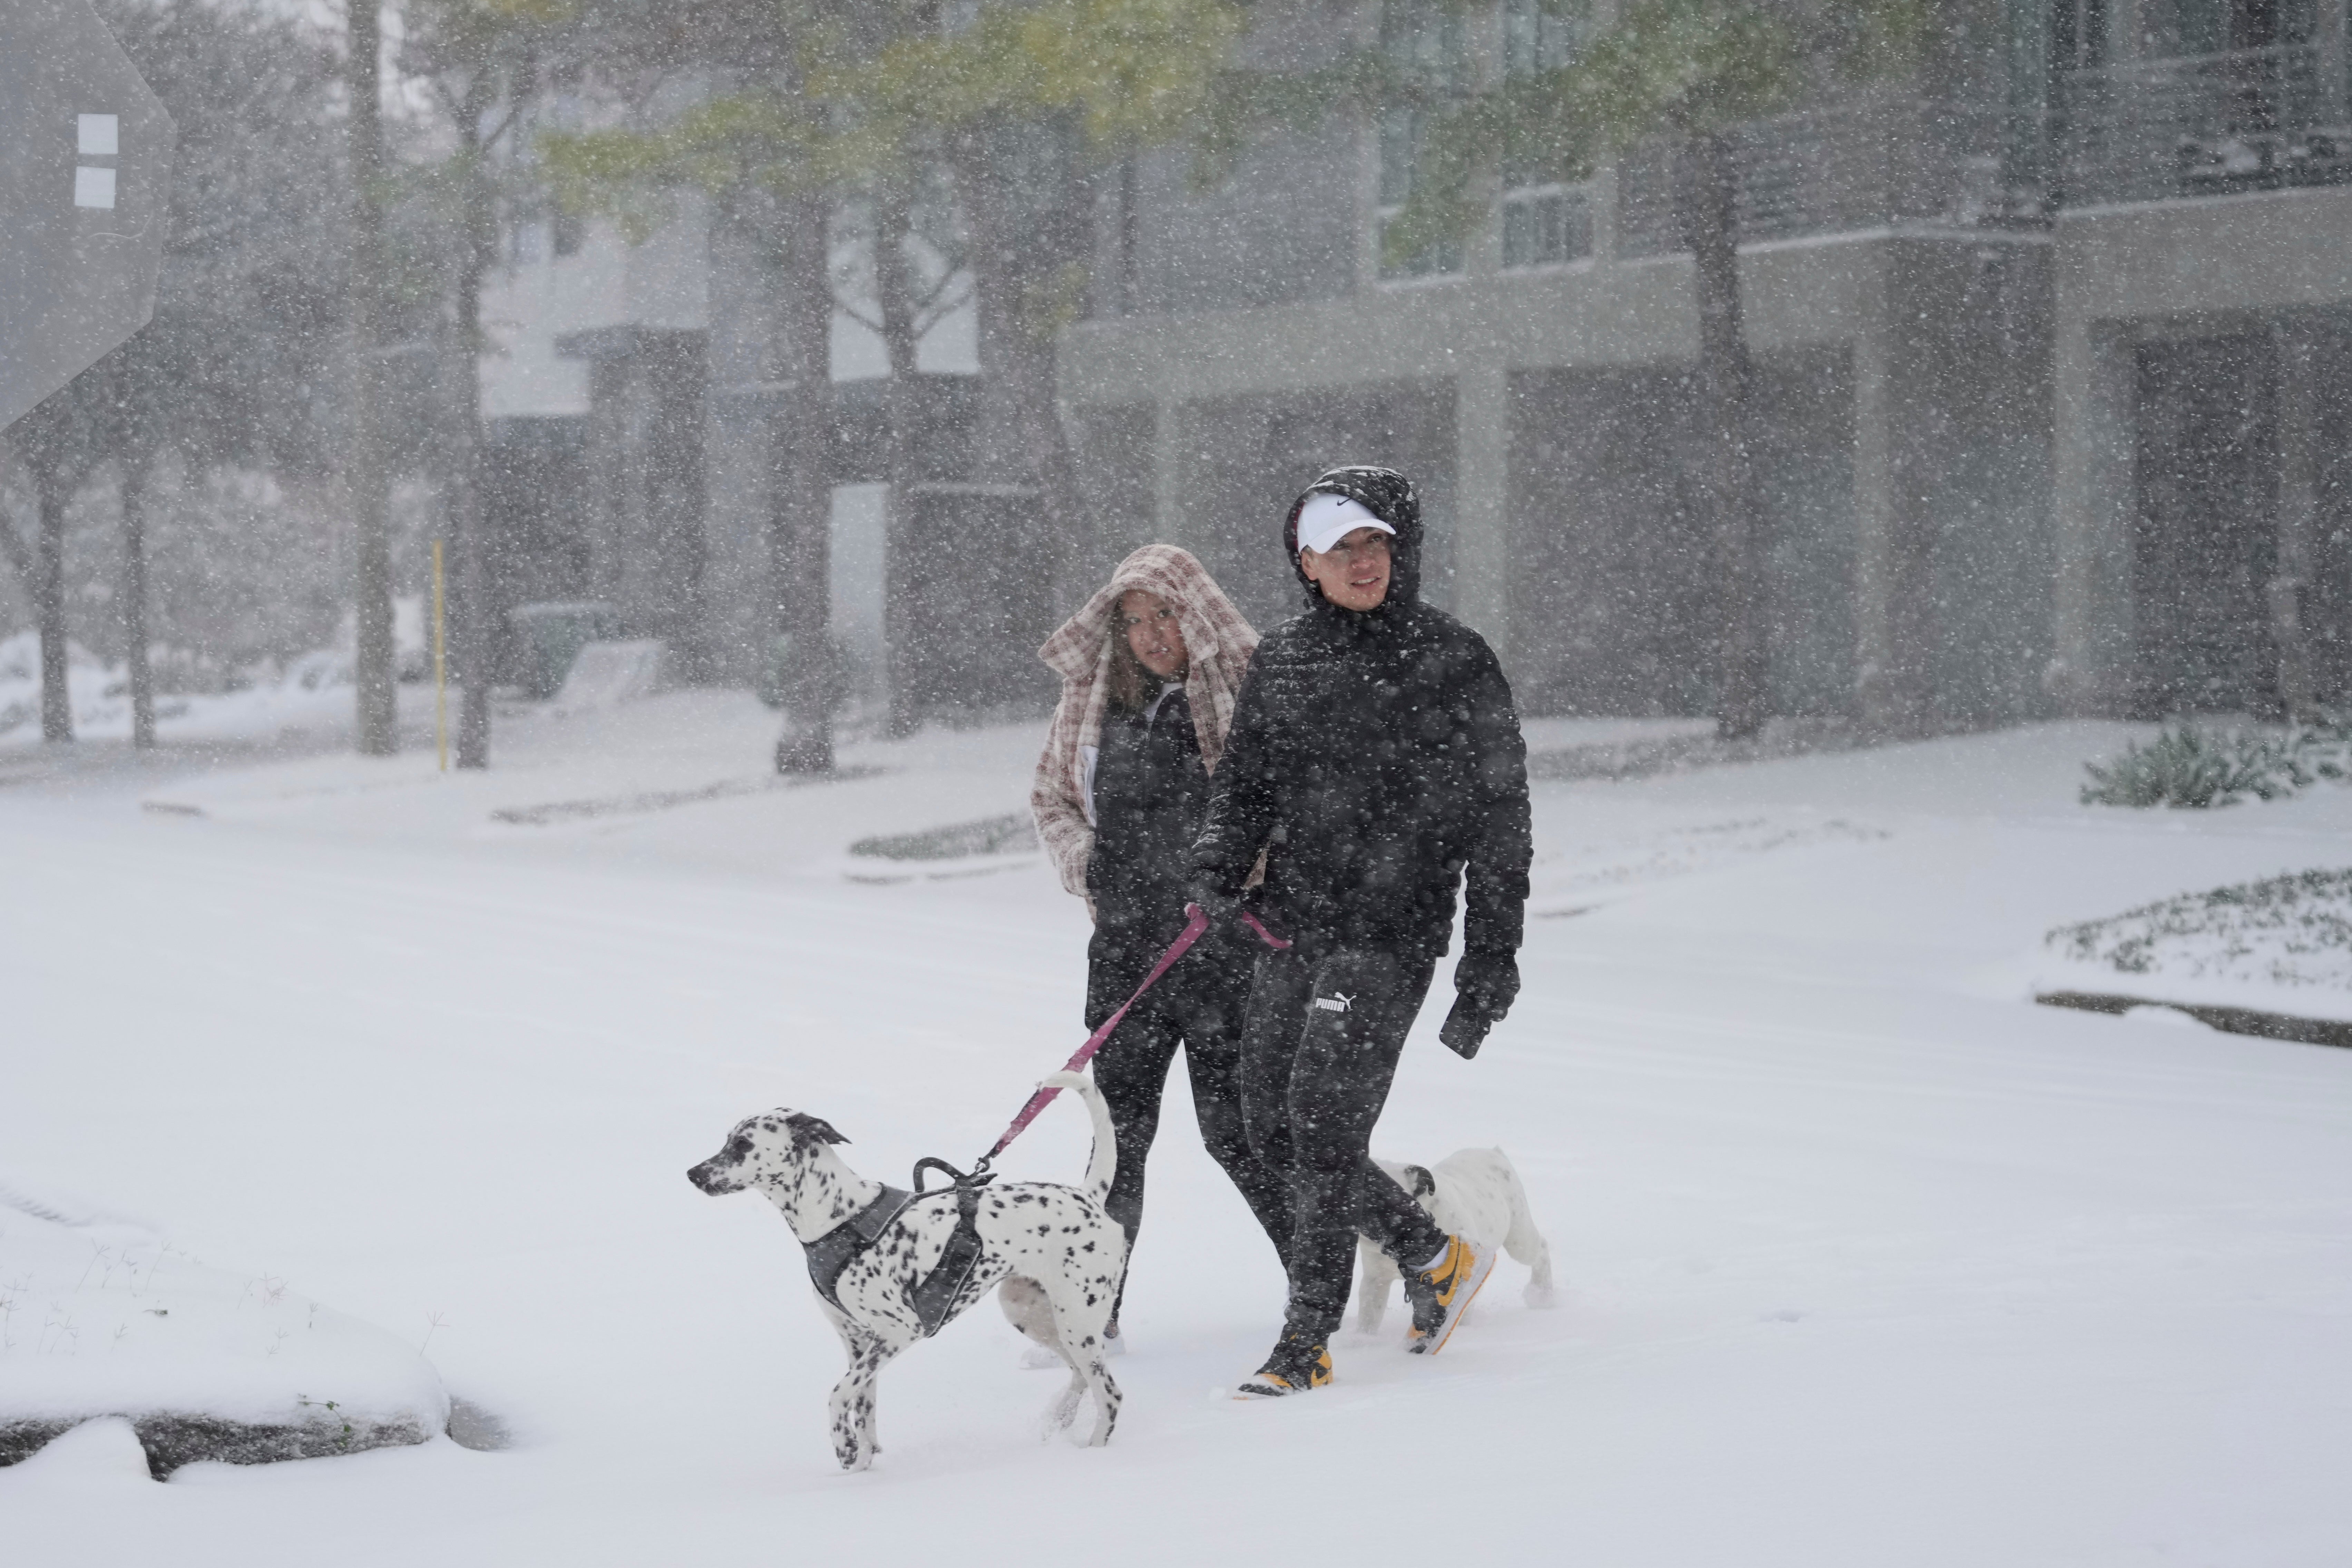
pixel 171 1439
pixel 2229 1020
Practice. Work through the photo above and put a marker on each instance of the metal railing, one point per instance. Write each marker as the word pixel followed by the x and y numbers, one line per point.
pixel 2202 125
pixel 2144 131
pixel 1875 164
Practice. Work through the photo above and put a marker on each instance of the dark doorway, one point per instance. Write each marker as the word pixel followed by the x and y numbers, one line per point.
pixel 1616 585
pixel 534 494
pixel 971 599
pixel 2204 541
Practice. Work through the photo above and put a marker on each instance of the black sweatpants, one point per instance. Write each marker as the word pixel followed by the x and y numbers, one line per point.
pixel 1319 1053
pixel 1202 1009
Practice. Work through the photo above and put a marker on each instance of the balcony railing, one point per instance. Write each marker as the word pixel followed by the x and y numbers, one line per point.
pixel 2144 131
pixel 1871 165
pixel 2205 125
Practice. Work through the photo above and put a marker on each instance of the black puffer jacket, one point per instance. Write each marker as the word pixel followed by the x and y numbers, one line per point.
pixel 1151 792
pixel 1375 756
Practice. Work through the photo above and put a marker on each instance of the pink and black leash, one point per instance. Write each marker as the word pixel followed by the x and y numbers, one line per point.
pixel 1196 922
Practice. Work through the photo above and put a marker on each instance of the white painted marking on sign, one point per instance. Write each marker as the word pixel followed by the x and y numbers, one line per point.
pixel 99 135
pixel 93 187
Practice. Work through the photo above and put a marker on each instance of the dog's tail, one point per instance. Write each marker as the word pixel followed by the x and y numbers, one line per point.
pixel 1105 1163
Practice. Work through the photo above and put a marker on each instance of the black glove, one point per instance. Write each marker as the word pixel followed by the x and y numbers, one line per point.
pixel 1484 985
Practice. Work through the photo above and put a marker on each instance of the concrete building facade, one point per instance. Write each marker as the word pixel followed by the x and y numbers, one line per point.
pixel 2050 341
pixel 2053 340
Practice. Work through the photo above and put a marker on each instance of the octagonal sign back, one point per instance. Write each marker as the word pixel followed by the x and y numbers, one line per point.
pixel 85 166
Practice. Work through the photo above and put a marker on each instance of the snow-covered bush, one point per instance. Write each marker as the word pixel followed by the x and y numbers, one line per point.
pixel 2294 930
pixel 2191 766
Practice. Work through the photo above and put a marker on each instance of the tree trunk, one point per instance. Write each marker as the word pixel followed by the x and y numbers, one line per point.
pixel 1018 259
pixel 134 597
pixel 11 543
pixel 1705 191
pixel 373 670
pixel 53 489
pixel 477 246
pixel 800 503
pixel 894 298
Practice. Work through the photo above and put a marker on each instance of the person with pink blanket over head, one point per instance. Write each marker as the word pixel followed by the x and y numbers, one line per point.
pixel 1150 669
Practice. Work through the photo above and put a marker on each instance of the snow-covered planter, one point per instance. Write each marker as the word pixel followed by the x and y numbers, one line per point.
pixel 993 844
pixel 2281 946
pixel 100 1317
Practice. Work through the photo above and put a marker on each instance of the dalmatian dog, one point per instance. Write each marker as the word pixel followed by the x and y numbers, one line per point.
pixel 1050 1252
pixel 1474 1193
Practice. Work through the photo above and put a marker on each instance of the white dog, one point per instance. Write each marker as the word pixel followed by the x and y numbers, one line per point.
pixel 1473 1194
pixel 891 1268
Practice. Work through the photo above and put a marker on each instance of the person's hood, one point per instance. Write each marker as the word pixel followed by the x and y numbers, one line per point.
pixel 1215 636
pixel 1387 495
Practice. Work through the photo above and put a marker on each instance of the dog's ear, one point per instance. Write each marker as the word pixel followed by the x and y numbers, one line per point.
pixel 817 1128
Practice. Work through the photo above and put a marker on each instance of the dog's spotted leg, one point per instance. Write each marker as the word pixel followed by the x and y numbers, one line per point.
pixel 1065 1409
pixel 853 1403
pixel 1106 1398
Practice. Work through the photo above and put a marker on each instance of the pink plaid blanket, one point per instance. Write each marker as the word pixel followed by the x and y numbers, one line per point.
pixel 1218 643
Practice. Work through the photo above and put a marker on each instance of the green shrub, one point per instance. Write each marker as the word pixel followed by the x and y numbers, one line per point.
pixel 2191 765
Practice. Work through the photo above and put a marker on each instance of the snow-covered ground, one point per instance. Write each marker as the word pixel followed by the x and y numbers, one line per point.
pixel 1864 1259
pixel 309 697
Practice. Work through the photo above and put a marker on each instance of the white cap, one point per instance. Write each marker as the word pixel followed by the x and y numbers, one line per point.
pixel 1327 519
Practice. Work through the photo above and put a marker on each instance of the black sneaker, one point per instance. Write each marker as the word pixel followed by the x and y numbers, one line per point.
pixel 1441 1294
pixel 1296 1366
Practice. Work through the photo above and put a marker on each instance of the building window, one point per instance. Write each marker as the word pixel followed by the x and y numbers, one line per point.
pixel 1541 36
pixel 2078 35
pixel 1547 226
pixel 1423 44
pixel 1547 219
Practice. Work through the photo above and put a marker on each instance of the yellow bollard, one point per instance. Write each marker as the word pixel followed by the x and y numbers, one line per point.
pixel 440 669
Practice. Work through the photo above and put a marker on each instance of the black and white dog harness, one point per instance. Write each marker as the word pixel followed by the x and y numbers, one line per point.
pixel 933 1296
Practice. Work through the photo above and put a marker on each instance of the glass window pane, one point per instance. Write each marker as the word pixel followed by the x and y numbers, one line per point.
pixel 1543 35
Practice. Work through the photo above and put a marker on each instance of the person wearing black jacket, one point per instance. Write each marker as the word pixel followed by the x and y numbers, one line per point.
pixel 1150 790
pixel 1375 759
pixel 1150 668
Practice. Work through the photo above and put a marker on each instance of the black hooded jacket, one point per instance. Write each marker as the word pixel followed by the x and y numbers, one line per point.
pixel 1374 756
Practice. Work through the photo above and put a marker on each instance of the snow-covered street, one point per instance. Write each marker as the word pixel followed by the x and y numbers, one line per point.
pixel 1864 1259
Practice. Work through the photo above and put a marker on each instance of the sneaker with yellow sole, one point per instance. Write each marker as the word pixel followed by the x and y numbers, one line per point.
pixel 1442 1293
pixel 1299 1365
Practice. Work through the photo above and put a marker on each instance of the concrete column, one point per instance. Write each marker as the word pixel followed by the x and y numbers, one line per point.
pixel 1600 200
pixel 2092 498
pixel 608 474
pixel 2328 39
pixel 1903 375
pixel 1482 500
pixel 1879 695
pixel 2299 515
